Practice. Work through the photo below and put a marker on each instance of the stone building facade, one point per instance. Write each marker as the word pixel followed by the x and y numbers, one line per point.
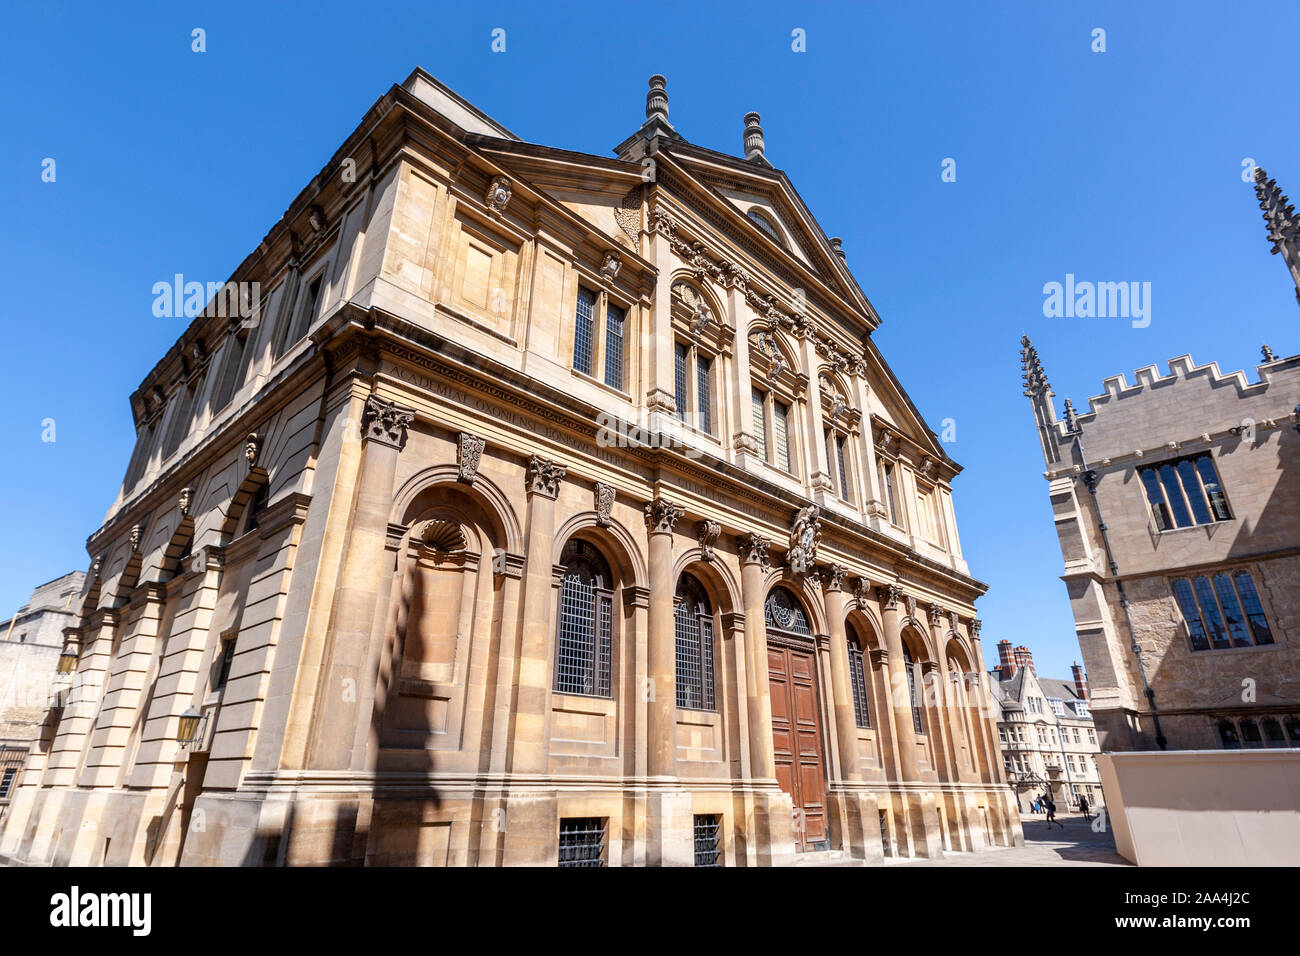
pixel 30 644
pixel 1175 500
pixel 1049 743
pixel 550 508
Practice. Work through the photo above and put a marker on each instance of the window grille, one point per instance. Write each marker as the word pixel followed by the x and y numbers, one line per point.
pixel 694 647
pixel 679 381
pixel 780 413
pixel 223 669
pixel 858 679
pixel 584 645
pixel 583 841
pixel 782 611
pixel 911 689
pixel 584 331
pixel 614 321
pixel 704 392
pixel 759 402
pixel 7 783
pixel 708 840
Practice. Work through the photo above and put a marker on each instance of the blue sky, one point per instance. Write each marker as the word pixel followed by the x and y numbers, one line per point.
pixel 1116 166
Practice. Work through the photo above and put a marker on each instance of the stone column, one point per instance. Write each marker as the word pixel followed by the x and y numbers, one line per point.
pixel 983 717
pixel 899 701
pixel 351 631
pixel 753 558
pixel 531 829
pixel 529 749
pixel 661 516
pixel 936 685
pixel 846 725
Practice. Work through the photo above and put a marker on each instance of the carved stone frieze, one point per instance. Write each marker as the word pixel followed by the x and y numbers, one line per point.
pixel 469 452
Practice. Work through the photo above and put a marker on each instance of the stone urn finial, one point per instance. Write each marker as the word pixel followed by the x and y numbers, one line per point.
pixel 753 137
pixel 656 101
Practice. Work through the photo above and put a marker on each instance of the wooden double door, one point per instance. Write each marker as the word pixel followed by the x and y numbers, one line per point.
pixel 797 739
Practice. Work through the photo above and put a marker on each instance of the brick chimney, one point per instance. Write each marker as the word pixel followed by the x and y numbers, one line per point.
pixel 1006 662
pixel 1080 681
pixel 1024 658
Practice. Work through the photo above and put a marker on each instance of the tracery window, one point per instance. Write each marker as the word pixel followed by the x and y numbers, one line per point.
pixel 784 613
pixel 584 644
pixel 1222 611
pixel 1184 492
pixel 694 625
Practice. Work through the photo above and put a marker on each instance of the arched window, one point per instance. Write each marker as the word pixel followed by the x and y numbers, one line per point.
pixel 861 715
pixel 783 612
pixel 584 643
pixel 763 222
pixel 917 725
pixel 694 646
pixel 1292 725
pixel 1228 736
pixel 1272 732
pixel 1250 734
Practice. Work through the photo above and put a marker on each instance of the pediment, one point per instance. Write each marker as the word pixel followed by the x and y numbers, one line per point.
pixel 767 203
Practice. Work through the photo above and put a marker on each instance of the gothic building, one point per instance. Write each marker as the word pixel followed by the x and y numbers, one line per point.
pixel 1049 743
pixel 1175 500
pixel 543 508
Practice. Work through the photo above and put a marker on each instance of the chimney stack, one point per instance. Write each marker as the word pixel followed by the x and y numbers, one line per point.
pixel 656 101
pixel 1080 681
pixel 1006 662
pixel 753 137
pixel 1024 658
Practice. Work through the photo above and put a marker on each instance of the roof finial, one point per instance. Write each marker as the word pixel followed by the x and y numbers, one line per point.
pixel 837 247
pixel 1071 419
pixel 656 101
pixel 1282 222
pixel 753 137
pixel 1035 378
pixel 1267 354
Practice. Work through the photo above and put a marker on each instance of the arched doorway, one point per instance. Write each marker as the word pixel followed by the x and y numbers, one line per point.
pixel 796 730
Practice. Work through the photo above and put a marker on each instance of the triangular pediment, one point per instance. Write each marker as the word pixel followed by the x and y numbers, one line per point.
pixel 765 200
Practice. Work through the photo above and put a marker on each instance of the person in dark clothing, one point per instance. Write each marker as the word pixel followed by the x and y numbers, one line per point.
pixel 1083 807
pixel 1051 813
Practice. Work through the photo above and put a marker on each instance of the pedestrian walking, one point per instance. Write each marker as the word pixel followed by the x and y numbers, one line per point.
pixel 1051 813
pixel 1083 807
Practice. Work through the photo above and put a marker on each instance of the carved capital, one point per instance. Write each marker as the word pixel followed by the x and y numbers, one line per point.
pixel 384 422
pixel 661 516
pixel 879 657
pixel 707 532
pixel 604 502
pixel 888 595
pixel 469 452
pixel 975 626
pixel 753 549
pixel 937 614
pixel 544 477
pixel 833 577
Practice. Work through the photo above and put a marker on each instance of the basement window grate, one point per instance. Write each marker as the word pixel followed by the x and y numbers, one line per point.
pixel 582 841
pixel 708 839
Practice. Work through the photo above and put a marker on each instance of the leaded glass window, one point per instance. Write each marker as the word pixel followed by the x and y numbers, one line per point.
pixel 584 331
pixel 1184 492
pixel 758 404
pixel 679 381
pixel 615 318
pixel 780 434
pixel 910 667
